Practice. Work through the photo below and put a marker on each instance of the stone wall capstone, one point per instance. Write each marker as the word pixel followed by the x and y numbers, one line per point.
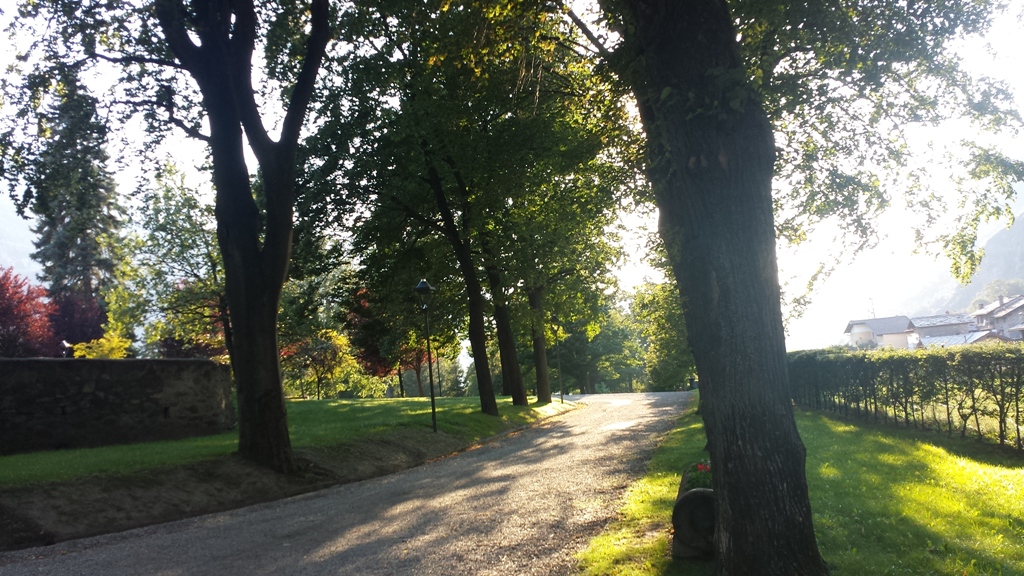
pixel 50 403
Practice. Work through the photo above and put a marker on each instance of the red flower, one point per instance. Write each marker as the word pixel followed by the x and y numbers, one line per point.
pixel 703 468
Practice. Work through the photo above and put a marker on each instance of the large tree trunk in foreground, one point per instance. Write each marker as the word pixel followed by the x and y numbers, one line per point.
pixel 215 43
pixel 253 300
pixel 711 162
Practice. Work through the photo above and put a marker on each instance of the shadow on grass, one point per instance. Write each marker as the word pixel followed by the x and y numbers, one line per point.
pixel 889 501
pixel 885 501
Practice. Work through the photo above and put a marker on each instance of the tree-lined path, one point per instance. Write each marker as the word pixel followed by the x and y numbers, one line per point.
pixel 522 505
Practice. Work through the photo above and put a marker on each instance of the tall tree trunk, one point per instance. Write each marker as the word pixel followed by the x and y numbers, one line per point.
pixel 511 374
pixel 418 370
pixel 474 290
pixel 535 297
pixel 478 333
pixel 253 297
pixel 711 163
pixel 217 52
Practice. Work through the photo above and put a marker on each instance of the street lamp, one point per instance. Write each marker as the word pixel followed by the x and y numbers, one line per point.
pixel 424 291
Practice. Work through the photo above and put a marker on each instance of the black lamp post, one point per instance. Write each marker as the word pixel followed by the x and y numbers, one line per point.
pixel 424 291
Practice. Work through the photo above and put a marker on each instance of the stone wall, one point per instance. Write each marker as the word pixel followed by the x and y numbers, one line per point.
pixel 71 403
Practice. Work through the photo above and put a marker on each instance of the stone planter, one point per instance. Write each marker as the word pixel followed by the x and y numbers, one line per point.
pixel 693 523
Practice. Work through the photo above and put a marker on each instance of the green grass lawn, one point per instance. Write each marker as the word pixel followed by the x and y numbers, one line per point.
pixel 885 500
pixel 312 423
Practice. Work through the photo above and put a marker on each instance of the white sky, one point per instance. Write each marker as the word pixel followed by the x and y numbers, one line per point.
pixel 882 282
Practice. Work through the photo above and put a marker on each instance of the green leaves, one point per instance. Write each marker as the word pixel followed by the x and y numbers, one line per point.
pixel 843 83
pixel 659 314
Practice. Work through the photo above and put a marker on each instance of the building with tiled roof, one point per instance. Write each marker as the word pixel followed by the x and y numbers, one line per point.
pixel 943 325
pixel 1004 316
pixel 961 339
pixel 892 332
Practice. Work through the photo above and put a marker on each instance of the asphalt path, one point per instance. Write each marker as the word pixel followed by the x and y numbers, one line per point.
pixel 524 504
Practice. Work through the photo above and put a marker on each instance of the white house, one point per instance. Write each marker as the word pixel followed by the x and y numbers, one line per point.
pixel 891 332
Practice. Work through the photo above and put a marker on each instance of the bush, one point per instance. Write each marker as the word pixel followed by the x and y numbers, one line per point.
pixel 946 388
pixel 25 329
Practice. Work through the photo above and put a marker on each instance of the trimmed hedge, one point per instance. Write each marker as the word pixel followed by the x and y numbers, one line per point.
pixel 951 389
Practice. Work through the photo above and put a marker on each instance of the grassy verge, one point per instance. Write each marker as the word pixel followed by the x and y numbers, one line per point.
pixel 637 543
pixel 312 423
pixel 885 500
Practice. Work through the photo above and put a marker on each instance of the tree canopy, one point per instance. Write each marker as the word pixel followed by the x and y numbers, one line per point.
pixel 188 66
pixel 25 329
pixel 487 146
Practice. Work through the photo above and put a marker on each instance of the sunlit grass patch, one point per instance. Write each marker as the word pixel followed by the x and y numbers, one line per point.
pixel 903 502
pixel 312 424
pixel 637 542
pixel 886 501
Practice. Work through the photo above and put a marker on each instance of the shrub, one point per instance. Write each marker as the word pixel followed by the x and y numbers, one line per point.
pixel 948 388
pixel 25 311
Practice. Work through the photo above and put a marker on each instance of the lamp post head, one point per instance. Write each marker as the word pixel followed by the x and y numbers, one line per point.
pixel 424 291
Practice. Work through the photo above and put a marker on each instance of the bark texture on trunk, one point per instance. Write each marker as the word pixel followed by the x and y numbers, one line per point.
pixel 711 163
pixel 478 334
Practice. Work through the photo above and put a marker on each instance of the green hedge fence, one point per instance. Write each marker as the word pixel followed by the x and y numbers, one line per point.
pixel 961 389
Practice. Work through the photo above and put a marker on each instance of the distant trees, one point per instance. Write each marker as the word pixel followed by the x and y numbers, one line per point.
pixel 189 66
pixel 479 140
pixel 994 290
pixel 25 311
pixel 318 361
pixel 180 271
pixel 659 317
pixel 63 180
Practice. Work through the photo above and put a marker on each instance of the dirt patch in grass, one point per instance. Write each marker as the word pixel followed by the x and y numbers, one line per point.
pixel 44 514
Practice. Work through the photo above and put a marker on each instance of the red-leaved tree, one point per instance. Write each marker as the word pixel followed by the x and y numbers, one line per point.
pixel 25 312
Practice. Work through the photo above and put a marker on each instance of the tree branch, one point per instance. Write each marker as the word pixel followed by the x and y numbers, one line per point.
pixel 302 92
pixel 463 189
pixel 188 130
pixel 414 215
pixel 136 60
pixel 589 34
pixel 242 45
pixel 170 15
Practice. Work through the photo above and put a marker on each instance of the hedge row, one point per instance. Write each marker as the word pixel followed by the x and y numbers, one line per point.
pixel 953 389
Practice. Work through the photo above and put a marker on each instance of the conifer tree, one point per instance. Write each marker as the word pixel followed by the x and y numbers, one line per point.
pixel 72 194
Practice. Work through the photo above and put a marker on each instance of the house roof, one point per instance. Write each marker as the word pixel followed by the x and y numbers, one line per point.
pixel 960 339
pixel 1001 307
pixel 880 326
pixel 942 320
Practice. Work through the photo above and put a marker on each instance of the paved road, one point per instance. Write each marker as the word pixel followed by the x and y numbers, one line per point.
pixel 522 505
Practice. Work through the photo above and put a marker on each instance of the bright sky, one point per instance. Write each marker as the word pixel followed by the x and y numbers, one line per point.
pixel 891 280
pixel 885 281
